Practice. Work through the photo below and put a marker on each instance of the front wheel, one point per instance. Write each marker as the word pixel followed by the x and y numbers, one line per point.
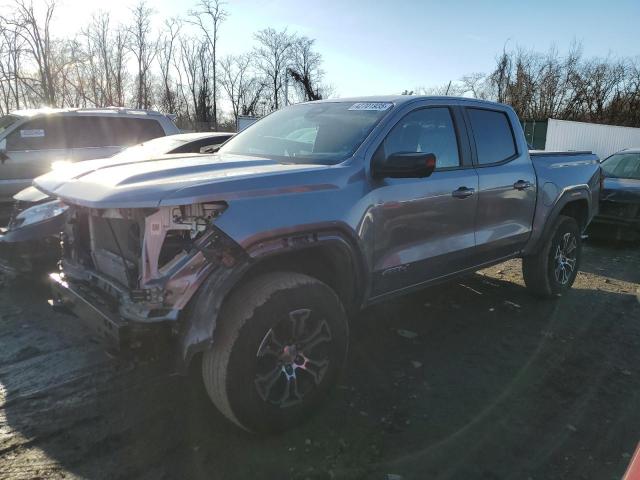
pixel 553 270
pixel 279 345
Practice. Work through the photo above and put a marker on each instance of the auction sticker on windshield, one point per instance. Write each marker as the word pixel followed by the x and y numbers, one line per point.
pixel 376 107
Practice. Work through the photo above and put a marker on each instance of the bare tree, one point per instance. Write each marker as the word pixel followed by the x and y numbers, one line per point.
pixel 166 53
pixel 450 89
pixel 193 56
pixel 144 50
pixel 305 68
pixel 273 56
pixel 10 60
pixel 240 83
pixel 475 84
pixel 35 34
pixel 208 16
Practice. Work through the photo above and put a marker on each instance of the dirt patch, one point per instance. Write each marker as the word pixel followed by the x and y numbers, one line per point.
pixel 472 379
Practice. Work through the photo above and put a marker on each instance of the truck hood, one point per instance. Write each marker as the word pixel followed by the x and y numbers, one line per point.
pixel 167 180
pixel 621 190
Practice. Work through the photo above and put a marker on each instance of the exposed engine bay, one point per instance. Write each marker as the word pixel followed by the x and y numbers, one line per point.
pixel 147 262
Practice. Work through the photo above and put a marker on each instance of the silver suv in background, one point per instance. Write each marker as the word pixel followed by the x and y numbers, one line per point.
pixel 31 141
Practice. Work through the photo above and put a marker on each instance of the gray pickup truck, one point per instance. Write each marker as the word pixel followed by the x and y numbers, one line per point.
pixel 250 261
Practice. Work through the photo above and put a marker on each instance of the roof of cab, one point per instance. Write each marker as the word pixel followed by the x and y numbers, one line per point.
pixel 399 99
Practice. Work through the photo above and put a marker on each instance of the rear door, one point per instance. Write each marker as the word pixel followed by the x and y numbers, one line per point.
pixel 507 184
pixel 31 149
pixel 424 227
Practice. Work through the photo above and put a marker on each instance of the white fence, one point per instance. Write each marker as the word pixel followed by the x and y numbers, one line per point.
pixel 603 140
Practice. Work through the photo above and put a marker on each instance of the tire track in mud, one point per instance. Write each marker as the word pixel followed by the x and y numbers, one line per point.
pixel 58 390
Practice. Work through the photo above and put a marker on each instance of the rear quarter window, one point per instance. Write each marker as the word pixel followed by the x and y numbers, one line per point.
pixel 493 135
pixel 131 131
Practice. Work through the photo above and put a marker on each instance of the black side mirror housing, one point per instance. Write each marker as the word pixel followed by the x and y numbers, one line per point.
pixel 404 165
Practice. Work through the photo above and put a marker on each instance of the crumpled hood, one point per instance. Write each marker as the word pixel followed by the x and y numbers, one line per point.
pixel 621 190
pixel 167 180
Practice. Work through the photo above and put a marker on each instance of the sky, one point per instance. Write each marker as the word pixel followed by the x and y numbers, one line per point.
pixel 383 47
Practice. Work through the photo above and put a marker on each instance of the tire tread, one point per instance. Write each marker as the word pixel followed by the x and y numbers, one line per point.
pixel 233 317
pixel 535 267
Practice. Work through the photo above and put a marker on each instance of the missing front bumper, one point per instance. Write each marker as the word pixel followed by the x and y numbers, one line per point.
pixel 90 309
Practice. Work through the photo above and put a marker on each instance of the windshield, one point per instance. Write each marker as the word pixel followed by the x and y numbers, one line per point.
pixel 157 146
pixel 324 133
pixel 7 120
pixel 622 165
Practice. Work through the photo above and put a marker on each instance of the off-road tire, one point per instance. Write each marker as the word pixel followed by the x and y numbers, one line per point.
pixel 539 269
pixel 251 315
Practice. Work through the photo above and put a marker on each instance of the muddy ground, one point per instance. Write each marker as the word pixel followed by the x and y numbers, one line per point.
pixel 482 381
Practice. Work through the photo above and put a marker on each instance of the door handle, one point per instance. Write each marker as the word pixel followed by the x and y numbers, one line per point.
pixel 463 192
pixel 522 185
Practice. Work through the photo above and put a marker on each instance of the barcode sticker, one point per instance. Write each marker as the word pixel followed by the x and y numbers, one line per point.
pixel 376 107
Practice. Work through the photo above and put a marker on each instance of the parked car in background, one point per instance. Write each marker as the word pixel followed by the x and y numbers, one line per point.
pixel 31 141
pixel 248 263
pixel 26 241
pixel 620 197
pixel 198 142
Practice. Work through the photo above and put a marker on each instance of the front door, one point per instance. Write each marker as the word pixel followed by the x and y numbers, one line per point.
pixel 424 227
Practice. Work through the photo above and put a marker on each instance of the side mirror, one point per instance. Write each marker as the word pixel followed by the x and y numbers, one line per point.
pixel 404 165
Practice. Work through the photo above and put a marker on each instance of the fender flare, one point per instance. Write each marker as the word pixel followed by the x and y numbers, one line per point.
pixel 199 320
pixel 569 195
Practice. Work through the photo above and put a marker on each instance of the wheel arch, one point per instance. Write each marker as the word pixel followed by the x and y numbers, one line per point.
pixel 330 257
pixel 577 209
pixel 574 203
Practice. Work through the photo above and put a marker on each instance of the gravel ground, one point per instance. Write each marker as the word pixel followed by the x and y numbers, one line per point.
pixel 472 379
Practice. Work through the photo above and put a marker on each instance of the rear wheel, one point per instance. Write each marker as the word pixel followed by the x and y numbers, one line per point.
pixel 553 270
pixel 279 345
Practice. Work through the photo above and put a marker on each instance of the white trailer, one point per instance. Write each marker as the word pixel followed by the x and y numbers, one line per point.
pixel 603 140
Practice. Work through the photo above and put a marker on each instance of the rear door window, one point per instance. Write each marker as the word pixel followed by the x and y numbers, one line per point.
pixel 493 135
pixel 88 132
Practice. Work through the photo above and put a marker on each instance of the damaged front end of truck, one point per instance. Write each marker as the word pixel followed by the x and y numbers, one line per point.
pixel 131 273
